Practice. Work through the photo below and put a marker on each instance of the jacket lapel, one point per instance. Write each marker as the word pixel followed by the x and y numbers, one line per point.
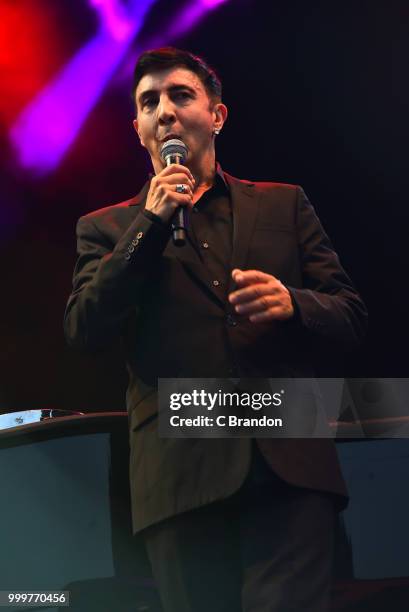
pixel 245 205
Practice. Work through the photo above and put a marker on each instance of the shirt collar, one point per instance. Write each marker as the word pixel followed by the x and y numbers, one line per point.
pixel 220 173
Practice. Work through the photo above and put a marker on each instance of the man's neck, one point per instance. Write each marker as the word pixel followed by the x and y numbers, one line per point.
pixel 204 173
pixel 204 179
pixel 203 182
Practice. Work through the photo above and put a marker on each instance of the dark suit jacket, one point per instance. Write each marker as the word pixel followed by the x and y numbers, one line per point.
pixel 131 281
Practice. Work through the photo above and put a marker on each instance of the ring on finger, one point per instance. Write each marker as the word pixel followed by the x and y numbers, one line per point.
pixel 180 188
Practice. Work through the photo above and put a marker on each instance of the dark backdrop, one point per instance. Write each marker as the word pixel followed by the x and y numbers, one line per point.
pixel 318 95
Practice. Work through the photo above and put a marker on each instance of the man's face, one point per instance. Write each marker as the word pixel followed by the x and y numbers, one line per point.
pixel 174 104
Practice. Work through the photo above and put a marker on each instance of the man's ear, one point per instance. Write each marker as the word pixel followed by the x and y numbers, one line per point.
pixel 135 125
pixel 220 115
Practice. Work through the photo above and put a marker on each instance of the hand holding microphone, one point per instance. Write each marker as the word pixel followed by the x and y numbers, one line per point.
pixel 171 190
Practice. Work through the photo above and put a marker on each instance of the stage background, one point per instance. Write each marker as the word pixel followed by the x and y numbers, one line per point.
pixel 318 96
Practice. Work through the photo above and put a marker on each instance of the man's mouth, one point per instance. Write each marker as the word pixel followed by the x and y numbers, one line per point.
pixel 170 136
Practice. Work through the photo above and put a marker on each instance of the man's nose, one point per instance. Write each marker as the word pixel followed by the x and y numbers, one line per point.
pixel 166 111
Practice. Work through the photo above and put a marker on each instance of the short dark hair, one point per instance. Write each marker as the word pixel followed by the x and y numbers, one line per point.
pixel 169 57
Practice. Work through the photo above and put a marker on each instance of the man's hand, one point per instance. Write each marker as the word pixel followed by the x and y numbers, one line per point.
pixel 163 199
pixel 260 296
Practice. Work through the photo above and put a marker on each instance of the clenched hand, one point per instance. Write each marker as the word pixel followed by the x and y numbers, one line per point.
pixel 163 199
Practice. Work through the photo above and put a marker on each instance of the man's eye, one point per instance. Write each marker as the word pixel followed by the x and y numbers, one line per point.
pixel 182 95
pixel 149 102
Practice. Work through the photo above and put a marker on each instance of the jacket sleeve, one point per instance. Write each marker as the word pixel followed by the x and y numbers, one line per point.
pixel 327 305
pixel 108 279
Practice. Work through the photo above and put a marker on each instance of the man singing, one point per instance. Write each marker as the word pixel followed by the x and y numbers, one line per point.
pixel 256 291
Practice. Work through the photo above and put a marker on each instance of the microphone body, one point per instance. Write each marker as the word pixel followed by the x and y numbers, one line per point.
pixel 175 151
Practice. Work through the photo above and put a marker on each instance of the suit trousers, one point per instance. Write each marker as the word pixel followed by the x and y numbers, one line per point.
pixel 267 548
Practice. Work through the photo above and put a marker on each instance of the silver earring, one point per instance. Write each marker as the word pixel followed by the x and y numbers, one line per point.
pixel 216 131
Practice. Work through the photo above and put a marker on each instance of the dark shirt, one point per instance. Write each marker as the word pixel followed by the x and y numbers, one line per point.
pixel 210 231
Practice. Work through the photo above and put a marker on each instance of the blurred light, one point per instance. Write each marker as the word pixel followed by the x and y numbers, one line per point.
pixel 113 15
pixel 23 28
pixel 48 126
pixel 211 3
pixel 187 19
pixel 45 130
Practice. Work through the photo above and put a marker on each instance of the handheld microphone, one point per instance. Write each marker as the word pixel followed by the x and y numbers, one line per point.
pixel 175 151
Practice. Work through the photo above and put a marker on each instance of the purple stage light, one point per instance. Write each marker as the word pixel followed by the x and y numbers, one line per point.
pixel 211 3
pixel 189 16
pixel 114 17
pixel 45 130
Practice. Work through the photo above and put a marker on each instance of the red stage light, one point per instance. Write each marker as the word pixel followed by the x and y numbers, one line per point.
pixel 30 53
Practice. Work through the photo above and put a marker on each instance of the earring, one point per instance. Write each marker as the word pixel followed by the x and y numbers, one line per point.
pixel 216 131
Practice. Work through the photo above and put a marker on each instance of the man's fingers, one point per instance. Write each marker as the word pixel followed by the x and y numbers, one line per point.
pixel 248 294
pixel 261 304
pixel 170 190
pixel 181 199
pixel 178 178
pixel 247 277
pixel 176 169
pixel 261 297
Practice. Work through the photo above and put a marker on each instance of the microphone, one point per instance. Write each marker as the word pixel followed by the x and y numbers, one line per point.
pixel 175 151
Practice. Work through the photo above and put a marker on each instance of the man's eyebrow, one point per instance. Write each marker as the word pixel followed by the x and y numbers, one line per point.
pixel 174 88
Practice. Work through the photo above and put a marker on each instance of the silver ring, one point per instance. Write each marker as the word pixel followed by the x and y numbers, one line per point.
pixel 180 188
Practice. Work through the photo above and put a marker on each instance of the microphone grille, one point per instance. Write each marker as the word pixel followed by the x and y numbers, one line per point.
pixel 174 146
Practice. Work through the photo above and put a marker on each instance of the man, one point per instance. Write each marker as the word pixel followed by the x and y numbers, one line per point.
pixel 257 291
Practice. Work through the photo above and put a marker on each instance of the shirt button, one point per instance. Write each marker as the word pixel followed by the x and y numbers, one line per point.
pixel 231 321
pixel 205 245
pixel 195 209
pixel 216 283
